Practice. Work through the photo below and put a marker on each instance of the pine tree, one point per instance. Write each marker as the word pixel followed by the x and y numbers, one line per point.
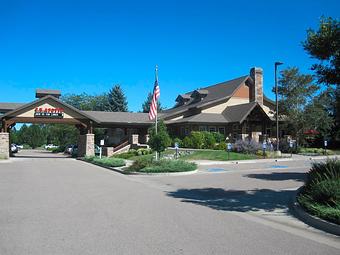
pixel 117 99
pixel 147 102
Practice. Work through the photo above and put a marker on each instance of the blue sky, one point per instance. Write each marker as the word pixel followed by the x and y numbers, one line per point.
pixel 87 46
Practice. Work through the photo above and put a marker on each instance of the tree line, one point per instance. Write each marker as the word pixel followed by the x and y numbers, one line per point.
pixel 309 105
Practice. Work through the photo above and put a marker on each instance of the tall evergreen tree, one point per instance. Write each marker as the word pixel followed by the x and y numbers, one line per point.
pixel 117 99
pixel 147 102
pixel 324 45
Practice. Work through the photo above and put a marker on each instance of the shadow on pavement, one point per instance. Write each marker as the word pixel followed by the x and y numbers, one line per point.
pixel 277 176
pixel 39 156
pixel 236 200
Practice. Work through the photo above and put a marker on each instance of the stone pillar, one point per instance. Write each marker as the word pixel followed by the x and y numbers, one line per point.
pixel 89 145
pixel 4 145
pixel 256 74
pixel 86 145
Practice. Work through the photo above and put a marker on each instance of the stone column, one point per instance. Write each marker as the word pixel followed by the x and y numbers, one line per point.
pixel 4 145
pixel 86 145
pixel 89 145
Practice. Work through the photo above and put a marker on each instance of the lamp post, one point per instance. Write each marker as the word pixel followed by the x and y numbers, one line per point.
pixel 277 106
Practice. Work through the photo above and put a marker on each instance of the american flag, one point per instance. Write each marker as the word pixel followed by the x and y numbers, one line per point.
pixel 153 104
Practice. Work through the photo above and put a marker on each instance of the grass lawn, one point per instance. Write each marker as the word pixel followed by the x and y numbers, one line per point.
pixel 217 155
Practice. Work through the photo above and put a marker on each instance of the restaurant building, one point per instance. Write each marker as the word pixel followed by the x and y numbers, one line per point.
pixel 237 108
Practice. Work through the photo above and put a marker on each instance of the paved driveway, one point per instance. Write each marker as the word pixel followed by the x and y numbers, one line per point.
pixel 65 206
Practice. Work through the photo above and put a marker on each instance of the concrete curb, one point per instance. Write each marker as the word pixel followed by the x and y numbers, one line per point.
pixel 165 174
pixel 312 220
pixel 118 170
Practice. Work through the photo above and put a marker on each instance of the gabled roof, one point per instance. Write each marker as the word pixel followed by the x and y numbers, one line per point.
pixel 39 101
pixel 238 113
pixel 215 93
pixel 233 114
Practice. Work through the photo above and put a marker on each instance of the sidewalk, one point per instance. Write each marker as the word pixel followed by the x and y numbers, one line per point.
pixel 269 160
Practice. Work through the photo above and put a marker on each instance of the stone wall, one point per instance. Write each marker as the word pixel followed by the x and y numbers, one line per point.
pixel 4 145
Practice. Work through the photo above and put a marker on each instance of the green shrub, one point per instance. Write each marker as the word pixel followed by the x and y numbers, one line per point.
pixel 221 146
pixel 325 192
pixel 326 212
pixel 187 142
pixel 110 162
pixel 124 155
pixel 218 137
pixel 318 151
pixel 259 153
pixel 197 139
pixel 105 161
pixel 321 193
pixel 169 166
pixel 143 151
pixel 140 163
pixel 329 170
pixel 89 158
pixel 209 140
pixel 131 153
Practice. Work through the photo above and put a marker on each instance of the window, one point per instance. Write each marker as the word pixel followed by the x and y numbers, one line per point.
pixel 182 131
pixel 221 130
pixel 203 128
pixel 186 131
pixel 212 129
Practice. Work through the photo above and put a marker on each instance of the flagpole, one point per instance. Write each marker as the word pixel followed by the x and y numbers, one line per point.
pixel 156 77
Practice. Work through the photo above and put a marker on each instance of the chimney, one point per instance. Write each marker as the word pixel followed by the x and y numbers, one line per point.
pixel 256 73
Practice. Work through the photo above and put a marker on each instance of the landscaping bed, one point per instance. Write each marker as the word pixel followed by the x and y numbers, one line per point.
pixel 316 151
pixel 149 165
pixel 106 161
pixel 321 194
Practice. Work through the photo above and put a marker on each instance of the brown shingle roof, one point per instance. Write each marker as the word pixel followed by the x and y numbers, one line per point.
pixel 215 93
pixel 237 113
pixel 232 114
pixel 6 107
pixel 201 118
pixel 119 117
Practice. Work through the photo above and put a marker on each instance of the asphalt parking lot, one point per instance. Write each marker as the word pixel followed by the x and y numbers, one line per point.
pixel 55 205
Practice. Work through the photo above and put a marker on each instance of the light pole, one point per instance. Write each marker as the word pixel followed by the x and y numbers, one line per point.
pixel 277 106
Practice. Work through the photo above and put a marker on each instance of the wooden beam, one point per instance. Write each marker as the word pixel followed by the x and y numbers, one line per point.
pixel 45 121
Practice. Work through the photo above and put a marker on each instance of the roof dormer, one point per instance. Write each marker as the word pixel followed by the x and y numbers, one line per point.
pixel 182 99
pixel 199 94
